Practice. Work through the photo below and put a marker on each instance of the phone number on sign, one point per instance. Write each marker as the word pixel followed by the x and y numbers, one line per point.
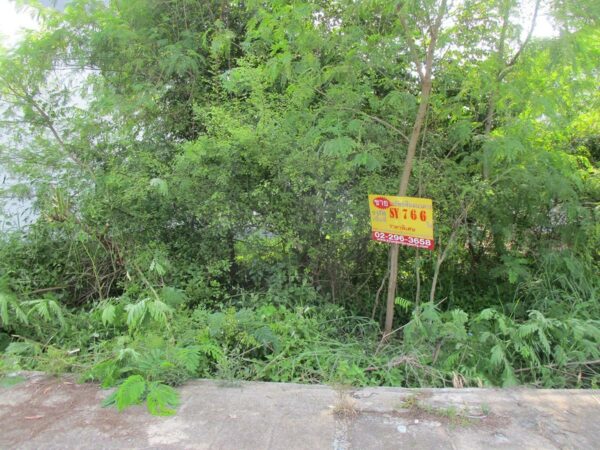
pixel 402 240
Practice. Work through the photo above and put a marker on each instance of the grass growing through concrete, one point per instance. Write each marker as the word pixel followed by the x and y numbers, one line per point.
pixel 450 414
pixel 345 405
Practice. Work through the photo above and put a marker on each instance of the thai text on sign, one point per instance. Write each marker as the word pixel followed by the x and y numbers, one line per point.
pixel 402 220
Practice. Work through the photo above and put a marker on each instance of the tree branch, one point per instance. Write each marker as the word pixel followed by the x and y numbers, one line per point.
pixel 412 47
pixel 514 59
pixel 28 98
pixel 373 118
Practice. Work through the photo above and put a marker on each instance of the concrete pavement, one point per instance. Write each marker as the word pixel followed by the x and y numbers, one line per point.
pixel 57 413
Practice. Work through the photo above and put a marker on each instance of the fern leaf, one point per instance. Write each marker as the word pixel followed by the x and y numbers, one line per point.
pixel 538 317
pixel 189 358
pixel 172 297
pixel 40 308
pixel 55 310
pixel 526 329
pixel 451 361
pixel 107 372
pixel 108 314
pixel 459 317
pixel 266 337
pixel 211 349
pixel 341 146
pixel 403 303
pixel 497 356
pixel 136 312
pixel 110 400
pixel 127 354
pixel 485 336
pixel 162 400
pixel 487 314
pixel 43 310
pixel 4 300
pixel 501 321
pixel 560 356
pixel 508 377
pixel 544 340
pixel 430 312
pixel 131 392
pixel 216 323
pixel 20 314
pixel 23 348
pixel 160 185
pixel 159 311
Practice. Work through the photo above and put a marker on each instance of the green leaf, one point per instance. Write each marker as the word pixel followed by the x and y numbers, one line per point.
pixel 527 329
pixel 430 313
pixel 497 355
pixel 459 317
pixel 487 314
pixel 209 348
pixel 460 132
pixel 4 300
pixel 172 297
pixel 189 357
pixel 366 160
pixel 131 392
pixel 221 43
pixel 400 102
pixel 23 348
pixel 403 303
pixel 107 372
pixel 544 340
pixel 162 400
pixel 136 312
pixel 56 311
pixel 156 266
pixel 160 185
pixel 110 399
pixel 108 314
pixel 159 311
pixel 340 147
pixel 508 377
pixel 47 309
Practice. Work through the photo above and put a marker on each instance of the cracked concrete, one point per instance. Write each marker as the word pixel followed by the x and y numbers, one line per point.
pixel 57 413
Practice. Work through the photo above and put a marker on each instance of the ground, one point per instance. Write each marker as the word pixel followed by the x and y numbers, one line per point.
pixel 58 413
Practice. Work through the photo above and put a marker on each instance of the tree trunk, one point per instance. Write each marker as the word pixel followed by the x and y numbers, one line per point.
pixel 408 164
pixel 424 71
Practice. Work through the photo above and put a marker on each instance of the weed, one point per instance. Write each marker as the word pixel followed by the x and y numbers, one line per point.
pixel 226 374
pixel 345 405
pixel 485 409
pixel 412 401
pixel 161 399
pixel 449 414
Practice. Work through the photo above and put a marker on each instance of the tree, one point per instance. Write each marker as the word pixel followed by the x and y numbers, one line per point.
pixel 424 72
pixel 230 146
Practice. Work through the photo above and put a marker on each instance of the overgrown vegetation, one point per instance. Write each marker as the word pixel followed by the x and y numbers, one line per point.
pixel 200 171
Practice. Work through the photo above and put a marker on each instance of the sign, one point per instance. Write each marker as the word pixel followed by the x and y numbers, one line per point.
pixel 402 220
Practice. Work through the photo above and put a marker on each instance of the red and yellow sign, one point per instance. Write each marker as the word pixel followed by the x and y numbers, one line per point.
pixel 402 220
